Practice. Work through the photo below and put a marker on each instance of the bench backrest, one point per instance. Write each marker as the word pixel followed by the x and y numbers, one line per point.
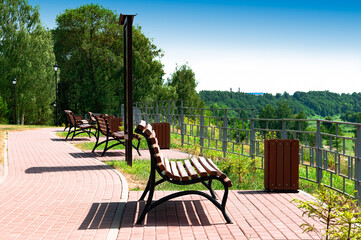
pixel 92 117
pixel 102 124
pixel 162 162
pixel 108 124
pixel 71 117
pixel 194 168
pixel 115 123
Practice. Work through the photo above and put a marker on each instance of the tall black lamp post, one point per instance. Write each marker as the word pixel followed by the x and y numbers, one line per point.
pixel 14 83
pixel 56 94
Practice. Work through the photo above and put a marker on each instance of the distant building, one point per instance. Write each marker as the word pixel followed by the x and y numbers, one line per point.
pixel 256 93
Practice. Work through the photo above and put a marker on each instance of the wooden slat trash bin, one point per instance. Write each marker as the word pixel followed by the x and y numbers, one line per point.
pixel 281 159
pixel 162 130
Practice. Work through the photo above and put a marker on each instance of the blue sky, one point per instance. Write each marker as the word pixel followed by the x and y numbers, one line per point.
pixel 255 45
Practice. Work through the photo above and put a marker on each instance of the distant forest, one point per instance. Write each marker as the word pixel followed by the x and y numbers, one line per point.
pixel 322 103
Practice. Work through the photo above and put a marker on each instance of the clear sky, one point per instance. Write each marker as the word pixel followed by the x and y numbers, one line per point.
pixel 255 45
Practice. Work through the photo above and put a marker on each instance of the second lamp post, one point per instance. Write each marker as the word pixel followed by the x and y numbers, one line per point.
pixel 14 83
pixel 56 94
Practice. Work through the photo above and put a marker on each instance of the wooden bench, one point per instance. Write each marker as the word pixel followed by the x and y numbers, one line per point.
pixel 78 125
pixel 109 127
pixel 190 171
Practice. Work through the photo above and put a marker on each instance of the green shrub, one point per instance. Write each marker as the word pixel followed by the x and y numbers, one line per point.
pixel 339 213
pixel 3 111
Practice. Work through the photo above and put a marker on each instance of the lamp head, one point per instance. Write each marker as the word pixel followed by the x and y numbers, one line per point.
pixel 55 67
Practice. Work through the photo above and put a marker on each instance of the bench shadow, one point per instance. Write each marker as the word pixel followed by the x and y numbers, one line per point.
pixel 170 213
pixel 36 170
pixel 69 140
pixel 263 191
pixel 97 154
pixel 100 216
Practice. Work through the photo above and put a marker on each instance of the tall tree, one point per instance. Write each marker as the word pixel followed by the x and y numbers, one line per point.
pixel 184 81
pixel 26 53
pixel 89 48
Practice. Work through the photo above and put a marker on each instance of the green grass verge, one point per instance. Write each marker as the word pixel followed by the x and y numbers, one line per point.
pixel 141 168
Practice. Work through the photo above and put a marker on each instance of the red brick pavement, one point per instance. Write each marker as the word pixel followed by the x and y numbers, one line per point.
pixel 255 215
pixel 54 191
pixel 50 194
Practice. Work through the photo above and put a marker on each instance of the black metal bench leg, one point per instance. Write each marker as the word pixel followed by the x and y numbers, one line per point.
pixel 137 147
pixel 68 133
pixel 73 133
pixel 224 201
pixel 106 146
pixel 150 197
pixel 147 188
pixel 97 140
pixel 209 186
pixel 145 191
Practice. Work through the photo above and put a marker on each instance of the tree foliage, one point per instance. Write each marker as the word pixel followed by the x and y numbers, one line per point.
pixel 26 53
pixel 323 103
pixel 184 82
pixel 3 111
pixel 89 50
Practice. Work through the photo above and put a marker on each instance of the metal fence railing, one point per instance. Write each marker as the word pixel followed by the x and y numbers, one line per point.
pixel 330 151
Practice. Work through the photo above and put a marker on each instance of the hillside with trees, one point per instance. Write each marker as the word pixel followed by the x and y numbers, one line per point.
pixel 322 103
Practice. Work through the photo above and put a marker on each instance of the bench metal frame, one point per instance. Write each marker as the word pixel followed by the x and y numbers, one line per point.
pixel 206 181
pixel 77 128
pixel 109 137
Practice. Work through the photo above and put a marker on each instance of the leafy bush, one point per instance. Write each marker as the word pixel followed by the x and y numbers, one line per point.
pixel 339 213
pixel 3 111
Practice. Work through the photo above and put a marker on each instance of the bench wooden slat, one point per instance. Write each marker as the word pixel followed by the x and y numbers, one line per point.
pixel 168 170
pixel 148 130
pixel 102 125
pixel 201 171
pixel 182 171
pixel 190 169
pixel 207 167
pixel 156 148
pixel 141 125
pixel 228 181
pixel 219 172
pixel 153 139
pixel 160 161
pixel 175 172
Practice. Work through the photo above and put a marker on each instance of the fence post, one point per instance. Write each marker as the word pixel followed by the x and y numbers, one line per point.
pixel 146 113
pixel 253 136
pixel 201 123
pixel 157 117
pixel 224 133
pixel 182 123
pixel 169 119
pixel 284 133
pixel 122 111
pixel 318 152
pixel 358 164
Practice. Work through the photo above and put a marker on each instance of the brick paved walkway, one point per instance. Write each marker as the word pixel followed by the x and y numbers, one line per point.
pixel 255 215
pixel 54 191
pixel 49 194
